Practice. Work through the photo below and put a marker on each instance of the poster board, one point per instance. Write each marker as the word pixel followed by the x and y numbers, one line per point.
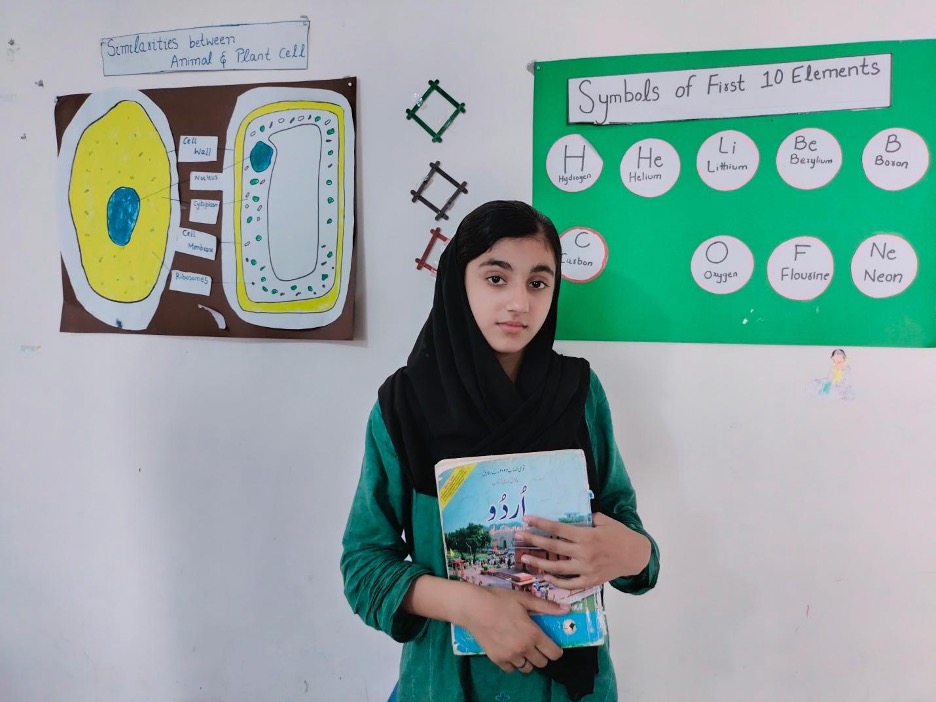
pixel 160 198
pixel 688 254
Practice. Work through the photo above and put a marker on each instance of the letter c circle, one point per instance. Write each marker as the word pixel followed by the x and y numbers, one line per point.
pixel 577 240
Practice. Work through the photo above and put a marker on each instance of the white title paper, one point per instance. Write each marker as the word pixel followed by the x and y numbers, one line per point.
pixel 847 83
pixel 230 47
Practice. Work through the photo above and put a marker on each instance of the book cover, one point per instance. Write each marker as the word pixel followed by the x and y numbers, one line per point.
pixel 482 501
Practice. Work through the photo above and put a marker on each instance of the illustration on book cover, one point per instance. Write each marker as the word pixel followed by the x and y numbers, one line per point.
pixel 482 502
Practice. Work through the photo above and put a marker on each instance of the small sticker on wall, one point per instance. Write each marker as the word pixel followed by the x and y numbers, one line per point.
pixel 836 384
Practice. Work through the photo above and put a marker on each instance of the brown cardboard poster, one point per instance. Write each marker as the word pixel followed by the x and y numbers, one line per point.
pixel 209 211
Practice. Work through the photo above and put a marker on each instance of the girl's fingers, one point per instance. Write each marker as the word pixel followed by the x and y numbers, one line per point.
pixel 536 658
pixel 550 649
pixel 564 567
pixel 558 546
pixel 560 529
pixel 576 583
pixel 507 666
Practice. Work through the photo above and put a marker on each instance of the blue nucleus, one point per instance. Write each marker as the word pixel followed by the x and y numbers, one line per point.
pixel 260 156
pixel 123 209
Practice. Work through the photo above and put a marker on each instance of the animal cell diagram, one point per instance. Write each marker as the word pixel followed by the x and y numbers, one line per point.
pixel 285 197
pixel 118 206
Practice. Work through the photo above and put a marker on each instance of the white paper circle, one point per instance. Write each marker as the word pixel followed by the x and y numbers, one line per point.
pixel 650 167
pixel 801 268
pixel 727 160
pixel 573 164
pixel 809 158
pixel 722 265
pixel 895 159
pixel 884 265
pixel 584 254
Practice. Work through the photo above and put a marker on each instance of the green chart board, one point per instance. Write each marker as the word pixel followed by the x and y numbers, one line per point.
pixel 774 196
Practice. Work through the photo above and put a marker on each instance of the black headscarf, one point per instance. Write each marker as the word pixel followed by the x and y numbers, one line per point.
pixel 454 399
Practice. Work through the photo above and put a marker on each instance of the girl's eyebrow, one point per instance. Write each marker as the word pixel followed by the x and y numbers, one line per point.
pixel 497 263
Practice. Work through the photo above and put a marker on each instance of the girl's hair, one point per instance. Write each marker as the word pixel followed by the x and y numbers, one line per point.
pixel 501 219
pixel 839 351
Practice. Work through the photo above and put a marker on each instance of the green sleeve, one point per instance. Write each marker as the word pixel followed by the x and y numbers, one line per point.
pixel 618 499
pixel 374 562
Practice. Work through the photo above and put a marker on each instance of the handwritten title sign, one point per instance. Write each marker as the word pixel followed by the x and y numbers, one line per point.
pixel 847 83
pixel 230 47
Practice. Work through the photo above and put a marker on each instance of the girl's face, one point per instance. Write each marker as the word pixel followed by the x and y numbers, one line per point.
pixel 510 291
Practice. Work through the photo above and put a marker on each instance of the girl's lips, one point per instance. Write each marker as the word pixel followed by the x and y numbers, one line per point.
pixel 512 326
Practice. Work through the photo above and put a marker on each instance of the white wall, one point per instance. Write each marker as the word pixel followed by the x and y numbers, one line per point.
pixel 171 508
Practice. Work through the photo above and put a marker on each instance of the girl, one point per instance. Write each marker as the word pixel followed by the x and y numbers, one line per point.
pixel 483 379
pixel 837 382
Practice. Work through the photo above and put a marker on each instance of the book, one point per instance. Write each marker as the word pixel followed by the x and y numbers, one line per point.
pixel 482 501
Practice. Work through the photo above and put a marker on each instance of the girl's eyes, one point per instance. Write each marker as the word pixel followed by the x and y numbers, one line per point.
pixel 535 284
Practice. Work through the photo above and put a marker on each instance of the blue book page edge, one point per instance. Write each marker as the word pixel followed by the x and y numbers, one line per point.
pixel 571 630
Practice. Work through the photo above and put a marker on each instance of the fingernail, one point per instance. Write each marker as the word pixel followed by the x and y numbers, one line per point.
pixel 524 559
pixel 526 519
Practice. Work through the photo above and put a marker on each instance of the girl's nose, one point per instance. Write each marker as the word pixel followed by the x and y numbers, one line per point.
pixel 519 301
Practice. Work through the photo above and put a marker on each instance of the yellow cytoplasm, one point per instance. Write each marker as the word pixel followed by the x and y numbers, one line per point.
pixel 119 199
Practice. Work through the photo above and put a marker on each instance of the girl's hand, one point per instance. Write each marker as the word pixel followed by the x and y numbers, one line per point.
pixel 593 556
pixel 499 619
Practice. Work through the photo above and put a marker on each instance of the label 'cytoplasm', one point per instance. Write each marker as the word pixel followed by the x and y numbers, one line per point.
pixel 895 159
pixel 573 164
pixel 727 160
pixel 801 268
pixel 722 265
pixel 809 158
pixel 884 265
pixel 650 167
